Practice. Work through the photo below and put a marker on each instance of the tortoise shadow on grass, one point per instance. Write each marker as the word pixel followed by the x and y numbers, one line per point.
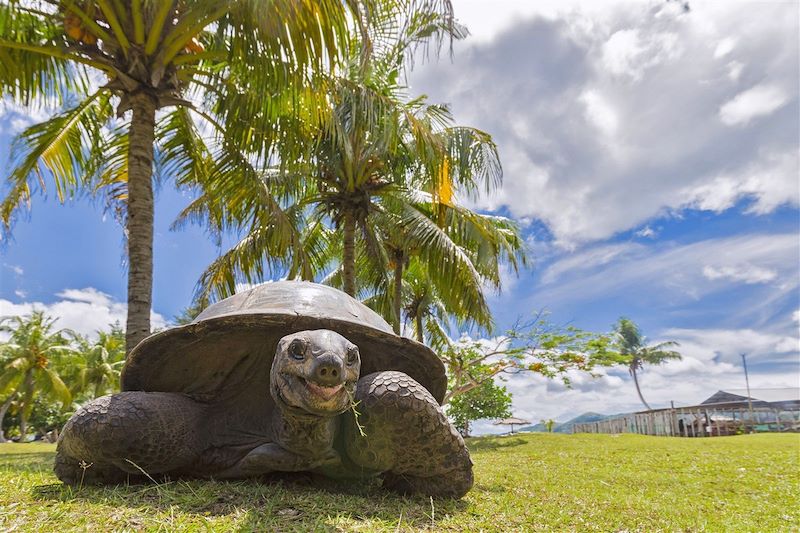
pixel 283 501
pixel 493 443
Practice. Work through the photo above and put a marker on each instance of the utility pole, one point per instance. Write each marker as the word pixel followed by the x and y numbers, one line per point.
pixel 747 381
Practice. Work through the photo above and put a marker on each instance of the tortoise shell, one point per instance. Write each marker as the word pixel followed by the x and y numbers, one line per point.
pixel 225 355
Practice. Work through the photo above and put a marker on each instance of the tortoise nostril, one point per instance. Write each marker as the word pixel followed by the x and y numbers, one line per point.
pixel 327 372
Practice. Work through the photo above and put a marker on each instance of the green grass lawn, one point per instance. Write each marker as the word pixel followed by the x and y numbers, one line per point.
pixel 523 483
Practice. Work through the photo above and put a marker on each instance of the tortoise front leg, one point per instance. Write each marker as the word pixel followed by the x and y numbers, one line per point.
pixel 112 437
pixel 400 429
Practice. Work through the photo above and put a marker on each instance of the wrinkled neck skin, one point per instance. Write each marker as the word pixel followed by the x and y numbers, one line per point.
pixel 303 433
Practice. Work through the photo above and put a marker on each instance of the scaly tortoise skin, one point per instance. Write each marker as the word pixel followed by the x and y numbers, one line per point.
pixel 285 377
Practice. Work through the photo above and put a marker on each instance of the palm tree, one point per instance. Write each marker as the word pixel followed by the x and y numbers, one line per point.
pixel 30 358
pixel 96 372
pixel 385 168
pixel 458 254
pixel 155 56
pixel 427 310
pixel 354 170
pixel 353 161
pixel 634 352
pixel 373 132
pixel 548 424
pixel 402 203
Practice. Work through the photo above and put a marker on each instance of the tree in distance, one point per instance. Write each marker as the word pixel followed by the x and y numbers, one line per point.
pixel 630 348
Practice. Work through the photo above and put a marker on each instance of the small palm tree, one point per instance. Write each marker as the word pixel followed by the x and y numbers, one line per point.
pixel 97 369
pixel 30 358
pixel 427 311
pixel 459 254
pixel 634 352
pixel 428 306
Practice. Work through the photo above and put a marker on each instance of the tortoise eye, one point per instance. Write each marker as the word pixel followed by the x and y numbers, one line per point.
pixel 352 355
pixel 297 349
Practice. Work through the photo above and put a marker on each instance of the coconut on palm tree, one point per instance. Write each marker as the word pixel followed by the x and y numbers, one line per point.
pixel 29 363
pixel 634 352
pixel 132 80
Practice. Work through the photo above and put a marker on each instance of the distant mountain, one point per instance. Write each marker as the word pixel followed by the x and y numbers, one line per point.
pixel 537 427
pixel 566 427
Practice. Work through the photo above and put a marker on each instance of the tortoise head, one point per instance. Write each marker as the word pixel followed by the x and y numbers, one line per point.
pixel 315 371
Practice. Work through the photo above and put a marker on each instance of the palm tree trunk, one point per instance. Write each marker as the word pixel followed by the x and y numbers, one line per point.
pixel 139 227
pixel 638 390
pixel 418 321
pixel 27 395
pixel 349 255
pixel 398 292
pixel 3 411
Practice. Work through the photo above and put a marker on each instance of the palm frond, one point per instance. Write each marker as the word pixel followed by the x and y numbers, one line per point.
pixel 35 63
pixel 67 146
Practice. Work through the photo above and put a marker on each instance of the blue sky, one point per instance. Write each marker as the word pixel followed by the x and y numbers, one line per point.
pixel 651 156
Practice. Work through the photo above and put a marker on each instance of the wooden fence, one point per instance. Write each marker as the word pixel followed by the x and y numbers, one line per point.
pixel 696 422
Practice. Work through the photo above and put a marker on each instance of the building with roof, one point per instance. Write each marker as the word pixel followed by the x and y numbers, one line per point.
pixel 786 398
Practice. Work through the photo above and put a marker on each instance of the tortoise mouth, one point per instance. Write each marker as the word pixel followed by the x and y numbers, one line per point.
pixel 302 393
pixel 326 393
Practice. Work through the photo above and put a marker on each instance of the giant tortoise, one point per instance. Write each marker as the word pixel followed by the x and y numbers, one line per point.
pixel 285 377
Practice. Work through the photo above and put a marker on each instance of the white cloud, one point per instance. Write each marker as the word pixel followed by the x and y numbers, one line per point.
pixel 618 122
pixel 735 69
pixel 20 117
pixel 724 47
pixel 85 311
pixel 89 295
pixel 600 113
pixel 486 19
pixel 755 102
pixel 590 259
pixel 620 51
pixel 630 53
pixel 647 233
pixel 770 181
pixel 749 274
pixel 16 269
pixel 726 345
pixel 670 275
